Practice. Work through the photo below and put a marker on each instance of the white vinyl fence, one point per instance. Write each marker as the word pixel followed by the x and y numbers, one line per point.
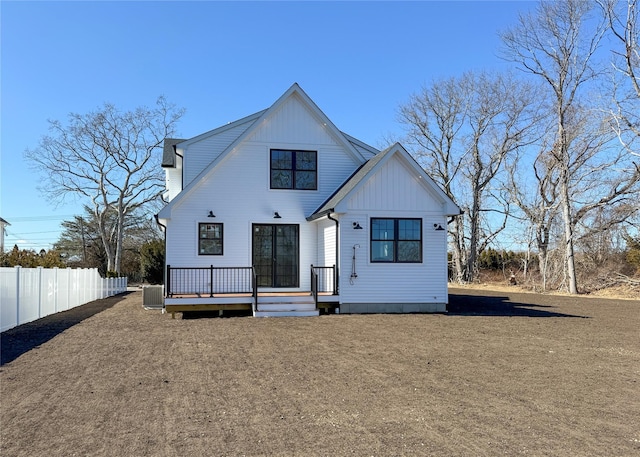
pixel 27 294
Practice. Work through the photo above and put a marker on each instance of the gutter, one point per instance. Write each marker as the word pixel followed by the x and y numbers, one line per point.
pixel 316 216
pixel 453 218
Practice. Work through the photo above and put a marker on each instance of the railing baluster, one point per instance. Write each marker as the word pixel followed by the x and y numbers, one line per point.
pixel 211 281
pixel 227 280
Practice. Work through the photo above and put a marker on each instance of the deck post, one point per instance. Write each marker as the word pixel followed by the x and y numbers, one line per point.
pixel 168 291
pixel 211 281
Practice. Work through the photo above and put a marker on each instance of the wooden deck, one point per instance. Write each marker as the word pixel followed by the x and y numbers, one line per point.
pixel 180 303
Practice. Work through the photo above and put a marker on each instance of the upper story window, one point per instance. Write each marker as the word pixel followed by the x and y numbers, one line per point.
pixel 396 240
pixel 294 169
pixel 209 239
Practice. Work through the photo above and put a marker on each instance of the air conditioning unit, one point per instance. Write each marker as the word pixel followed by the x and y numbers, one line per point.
pixel 153 297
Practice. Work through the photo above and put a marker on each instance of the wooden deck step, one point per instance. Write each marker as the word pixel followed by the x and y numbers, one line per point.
pixel 292 306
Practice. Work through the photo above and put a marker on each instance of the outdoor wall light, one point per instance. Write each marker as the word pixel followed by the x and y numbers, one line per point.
pixel 438 227
pixel 356 226
pixel 276 215
pixel 211 214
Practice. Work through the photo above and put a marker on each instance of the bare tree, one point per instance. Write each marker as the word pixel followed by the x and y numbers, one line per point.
pixel 110 159
pixel 539 203
pixel 622 18
pixel 463 131
pixel 434 119
pixel 553 45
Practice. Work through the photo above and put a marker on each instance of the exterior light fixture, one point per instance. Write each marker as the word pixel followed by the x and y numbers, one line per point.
pixel 276 215
pixel 356 226
pixel 438 227
pixel 211 214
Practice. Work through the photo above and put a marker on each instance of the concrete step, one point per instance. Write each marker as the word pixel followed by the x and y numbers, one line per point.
pixel 286 306
pixel 287 313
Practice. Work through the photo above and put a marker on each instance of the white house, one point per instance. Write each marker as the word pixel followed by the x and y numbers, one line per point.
pixel 282 213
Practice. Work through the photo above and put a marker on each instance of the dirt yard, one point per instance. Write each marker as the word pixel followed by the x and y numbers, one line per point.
pixel 503 373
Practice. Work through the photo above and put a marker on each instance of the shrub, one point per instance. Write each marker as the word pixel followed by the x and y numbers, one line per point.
pixel 152 261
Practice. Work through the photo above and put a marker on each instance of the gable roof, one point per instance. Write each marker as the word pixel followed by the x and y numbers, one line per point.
pixel 360 176
pixel 257 119
pixel 168 152
pixel 370 150
pixel 251 119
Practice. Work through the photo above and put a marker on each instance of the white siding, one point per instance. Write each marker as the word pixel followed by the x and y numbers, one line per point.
pixel 366 153
pixel 424 282
pixel 326 243
pixel 173 183
pixel 237 192
pixel 294 124
pixel 393 192
pixel 394 186
pixel 198 155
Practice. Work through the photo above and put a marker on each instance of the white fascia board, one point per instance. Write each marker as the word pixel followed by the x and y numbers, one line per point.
pixel 449 207
pixel 323 119
pixel 218 130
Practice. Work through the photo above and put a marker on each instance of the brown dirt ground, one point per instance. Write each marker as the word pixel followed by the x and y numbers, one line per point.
pixel 503 373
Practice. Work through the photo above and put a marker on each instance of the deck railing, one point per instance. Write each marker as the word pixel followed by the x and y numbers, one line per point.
pixel 210 280
pixel 323 280
pixel 254 285
pixel 314 285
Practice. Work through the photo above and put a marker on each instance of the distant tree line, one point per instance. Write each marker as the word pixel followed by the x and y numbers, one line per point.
pixel 81 246
pixel 28 258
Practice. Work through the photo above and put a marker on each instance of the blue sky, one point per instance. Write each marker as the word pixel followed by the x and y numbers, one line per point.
pixel 359 61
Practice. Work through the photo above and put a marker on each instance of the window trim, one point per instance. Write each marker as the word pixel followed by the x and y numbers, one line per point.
pixel 395 239
pixel 200 224
pixel 292 169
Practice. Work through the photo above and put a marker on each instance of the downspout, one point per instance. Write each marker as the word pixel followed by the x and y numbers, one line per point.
pixel 453 218
pixel 337 250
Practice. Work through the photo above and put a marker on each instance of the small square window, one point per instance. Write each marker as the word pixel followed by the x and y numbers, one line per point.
pixel 210 239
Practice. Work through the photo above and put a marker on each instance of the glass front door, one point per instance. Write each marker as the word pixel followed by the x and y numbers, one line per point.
pixel 276 254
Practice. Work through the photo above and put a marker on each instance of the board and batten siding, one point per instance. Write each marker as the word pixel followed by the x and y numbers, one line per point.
pixel 394 186
pixel 294 124
pixel 393 192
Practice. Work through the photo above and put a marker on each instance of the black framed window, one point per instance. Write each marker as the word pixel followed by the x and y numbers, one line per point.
pixel 210 239
pixel 396 240
pixel 294 169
